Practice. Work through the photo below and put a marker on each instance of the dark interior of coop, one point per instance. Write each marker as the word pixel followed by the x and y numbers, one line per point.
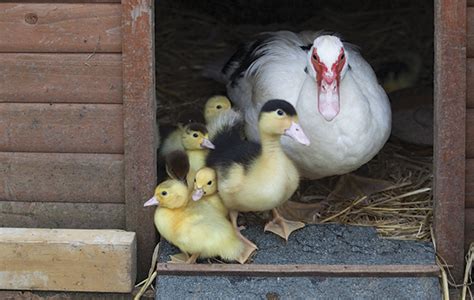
pixel 393 191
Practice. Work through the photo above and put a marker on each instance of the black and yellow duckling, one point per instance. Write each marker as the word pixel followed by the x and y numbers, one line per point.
pixel 257 177
pixel 215 106
pixel 199 230
pixel 196 143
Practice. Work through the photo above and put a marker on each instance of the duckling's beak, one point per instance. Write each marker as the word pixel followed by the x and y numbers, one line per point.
pixel 296 132
pixel 152 201
pixel 207 144
pixel 197 194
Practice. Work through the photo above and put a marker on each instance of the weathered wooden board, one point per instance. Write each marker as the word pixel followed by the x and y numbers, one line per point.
pixel 62 215
pixel 469 229
pixel 450 130
pixel 51 78
pixel 37 27
pixel 140 131
pixel 67 260
pixel 73 128
pixel 470 2
pixel 56 177
pixel 470 183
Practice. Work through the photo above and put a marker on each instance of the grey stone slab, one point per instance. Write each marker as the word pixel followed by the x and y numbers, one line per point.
pixel 331 244
pixel 204 287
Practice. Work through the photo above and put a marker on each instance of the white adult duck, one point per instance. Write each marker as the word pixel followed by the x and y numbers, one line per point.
pixel 342 108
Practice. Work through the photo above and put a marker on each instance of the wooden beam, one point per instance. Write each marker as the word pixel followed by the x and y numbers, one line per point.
pixel 61 78
pixel 140 131
pixel 62 215
pixel 61 128
pixel 450 131
pixel 312 270
pixel 67 260
pixel 470 31
pixel 60 27
pixel 61 177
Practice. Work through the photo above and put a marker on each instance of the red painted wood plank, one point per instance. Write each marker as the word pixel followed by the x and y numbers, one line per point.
pixel 60 78
pixel 60 27
pixel 73 128
pixel 140 132
pixel 55 177
pixel 450 131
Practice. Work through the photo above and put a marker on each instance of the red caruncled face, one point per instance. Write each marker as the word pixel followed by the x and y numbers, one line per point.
pixel 328 81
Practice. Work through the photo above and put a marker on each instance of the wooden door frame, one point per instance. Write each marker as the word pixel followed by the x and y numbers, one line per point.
pixel 450 130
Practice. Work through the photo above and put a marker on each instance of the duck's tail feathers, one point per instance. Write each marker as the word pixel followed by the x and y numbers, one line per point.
pixel 226 128
pixel 177 165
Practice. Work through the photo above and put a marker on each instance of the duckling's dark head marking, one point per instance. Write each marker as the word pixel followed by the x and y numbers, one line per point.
pixel 197 127
pixel 277 104
pixel 190 116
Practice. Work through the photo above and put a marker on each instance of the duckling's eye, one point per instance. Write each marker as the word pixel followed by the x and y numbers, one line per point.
pixel 280 112
pixel 219 106
pixel 195 135
pixel 164 193
pixel 209 182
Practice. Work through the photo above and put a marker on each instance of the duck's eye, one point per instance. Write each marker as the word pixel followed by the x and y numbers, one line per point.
pixel 164 193
pixel 280 112
pixel 343 56
pixel 195 135
pixel 219 106
pixel 315 57
pixel 209 182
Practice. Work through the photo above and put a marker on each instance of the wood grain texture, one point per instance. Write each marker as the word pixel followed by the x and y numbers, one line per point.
pixel 36 27
pixel 56 177
pixel 67 260
pixel 290 270
pixel 73 128
pixel 60 78
pixel 140 131
pixel 469 229
pixel 62 215
pixel 450 131
pixel 470 183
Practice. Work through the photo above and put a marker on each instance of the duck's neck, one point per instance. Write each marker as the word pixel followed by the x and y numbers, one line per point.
pixel 197 158
pixel 270 144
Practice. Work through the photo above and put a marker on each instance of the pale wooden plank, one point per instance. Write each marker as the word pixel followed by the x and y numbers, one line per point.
pixel 67 260
pixel 60 78
pixel 56 177
pixel 73 128
pixel 140 131
pixel 450 131
pixel 37 27
pixel 62 215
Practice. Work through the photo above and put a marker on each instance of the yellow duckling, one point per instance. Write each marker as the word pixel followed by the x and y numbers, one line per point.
pixel 257 177
pixel 199 230
pixel 215 106
pixel 196 143
pixel 205 189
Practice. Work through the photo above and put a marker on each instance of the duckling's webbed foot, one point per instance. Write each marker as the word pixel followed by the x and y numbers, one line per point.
pixel 183 258
pixel 281 226
pixel 249 245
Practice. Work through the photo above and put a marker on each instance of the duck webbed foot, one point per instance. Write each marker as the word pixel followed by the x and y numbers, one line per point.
pixel 248 244
pixel 281 226
pixel 183 258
